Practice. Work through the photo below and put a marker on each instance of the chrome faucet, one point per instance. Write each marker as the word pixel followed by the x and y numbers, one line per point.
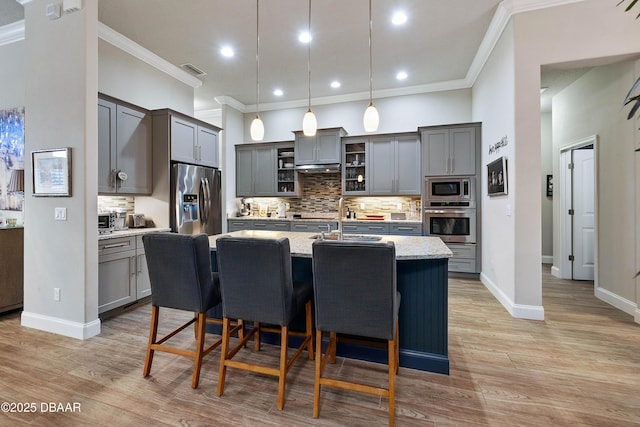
pixel 340 212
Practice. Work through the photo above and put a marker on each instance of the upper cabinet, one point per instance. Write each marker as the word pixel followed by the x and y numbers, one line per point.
pixel 449 150
pixel 266 170
pixel 382 165
pixel 124 148
pixel 191 140
pixel 395 165
pixel 323 148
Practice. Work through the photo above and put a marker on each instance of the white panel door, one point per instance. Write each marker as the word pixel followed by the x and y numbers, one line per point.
pixel 584 214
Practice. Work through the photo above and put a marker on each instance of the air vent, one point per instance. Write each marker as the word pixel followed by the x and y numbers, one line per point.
pixel 193 69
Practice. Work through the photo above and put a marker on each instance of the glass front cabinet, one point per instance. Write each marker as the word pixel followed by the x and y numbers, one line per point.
pixel 354 166
pixel 286 177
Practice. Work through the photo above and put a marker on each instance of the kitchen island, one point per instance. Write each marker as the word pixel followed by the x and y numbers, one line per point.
pixel 422 282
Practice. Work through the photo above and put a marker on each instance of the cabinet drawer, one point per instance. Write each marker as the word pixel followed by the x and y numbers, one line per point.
pixel 463 251
pixel 119 244
pixel 462 265
pixel 271 225
pixel 365 228
pixel 236 225
pixel 406 229
pixel 314 226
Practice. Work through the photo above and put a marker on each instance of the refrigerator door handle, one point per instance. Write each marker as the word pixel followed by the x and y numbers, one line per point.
pixel 207 197
pixel 203 202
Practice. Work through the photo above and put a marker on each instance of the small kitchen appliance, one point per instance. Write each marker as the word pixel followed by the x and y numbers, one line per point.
pixel 120 219
pixel 137 220
pixel 282 210
pixel 106 222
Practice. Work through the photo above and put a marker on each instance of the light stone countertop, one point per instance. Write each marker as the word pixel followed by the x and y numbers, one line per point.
pixel 407 247
pixel 328 218
pixel 130 232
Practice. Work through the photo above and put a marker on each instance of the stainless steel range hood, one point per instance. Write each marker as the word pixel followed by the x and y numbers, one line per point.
pixel 325 168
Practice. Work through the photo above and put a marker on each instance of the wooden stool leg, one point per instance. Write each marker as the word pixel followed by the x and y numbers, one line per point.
pixel 256 336
pixel 284 343
pixel 392 381
pixel 309 329
pixel 153 333
pixel 318 374
pixel 201 325
pixel 223 355
pixel 333 344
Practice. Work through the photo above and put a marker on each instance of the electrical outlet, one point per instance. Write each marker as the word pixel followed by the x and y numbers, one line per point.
pixel 60 214
pixel 56 294
pixel 362 206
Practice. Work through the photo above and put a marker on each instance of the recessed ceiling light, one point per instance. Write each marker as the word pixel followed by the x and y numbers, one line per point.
pixel 401 75
pixel 305 37
pixel 278 92
pixel 335 84
pixel 227 51
pixel 399 18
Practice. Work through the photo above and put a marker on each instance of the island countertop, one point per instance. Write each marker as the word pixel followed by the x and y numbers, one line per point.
pixel 407 247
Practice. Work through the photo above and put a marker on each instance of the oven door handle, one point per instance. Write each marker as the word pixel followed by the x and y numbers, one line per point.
pixel 447 211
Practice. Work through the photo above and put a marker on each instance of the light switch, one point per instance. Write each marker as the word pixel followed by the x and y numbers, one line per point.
pixel 507 210
pixel 60 214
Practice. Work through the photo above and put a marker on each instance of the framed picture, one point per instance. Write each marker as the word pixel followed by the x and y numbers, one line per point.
pixel 549 185
pixel 51 172
pixel 497 177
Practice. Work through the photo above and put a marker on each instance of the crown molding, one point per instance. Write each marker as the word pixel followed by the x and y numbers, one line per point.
pixel 12 33
pixel 134 49
pixel 506 9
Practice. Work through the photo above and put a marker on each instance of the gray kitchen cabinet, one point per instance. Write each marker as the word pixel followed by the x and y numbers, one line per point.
pixel 464 258
pixel 449 150
pixel 355 166
pixel 405 229
pixel 189 140
pixel 239 224
pixel 124 148
pixel 287 177
pixel 255 170
pixel 117 273
pixel 394 165
pixel 313 226
pixel 323 148
pixel 271 225
pixel 362 228
pixel 143 282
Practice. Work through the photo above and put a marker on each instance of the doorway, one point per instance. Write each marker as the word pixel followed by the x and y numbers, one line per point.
pixel 578 207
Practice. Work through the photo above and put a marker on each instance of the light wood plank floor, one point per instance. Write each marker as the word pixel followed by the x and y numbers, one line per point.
pixel 581 366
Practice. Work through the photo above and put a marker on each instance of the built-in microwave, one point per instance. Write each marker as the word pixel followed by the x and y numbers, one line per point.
pixel 450 191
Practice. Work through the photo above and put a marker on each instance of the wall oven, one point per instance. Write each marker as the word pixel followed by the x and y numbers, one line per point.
pixel 450 209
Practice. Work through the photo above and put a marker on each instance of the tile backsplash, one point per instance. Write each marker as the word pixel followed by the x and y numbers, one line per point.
pixel 109 203
pixel 321 192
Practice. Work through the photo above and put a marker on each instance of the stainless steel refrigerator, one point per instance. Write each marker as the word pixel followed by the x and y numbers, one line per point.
pixel 195 199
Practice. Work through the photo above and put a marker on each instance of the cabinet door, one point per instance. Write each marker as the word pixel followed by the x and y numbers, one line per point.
pixel 143 282
pixel 208 147
pixel 244 173
pixel 328 147
pixel 106 146
pixel 407 160
pixel 305 149
pixel 184 136
pixel 382 166
pixel 463 151
pixel 240 224
pixel 435 159
pixel 133 155
pixel 264 171
pixel 116 280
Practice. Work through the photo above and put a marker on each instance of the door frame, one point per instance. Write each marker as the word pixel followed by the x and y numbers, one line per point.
pixel 564 265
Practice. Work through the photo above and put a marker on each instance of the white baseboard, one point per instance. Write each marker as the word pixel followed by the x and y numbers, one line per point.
pixel 547 259
pixel 531 312
pixel 618 302
pixel 636 317
pixel 61 326
pixel 555 272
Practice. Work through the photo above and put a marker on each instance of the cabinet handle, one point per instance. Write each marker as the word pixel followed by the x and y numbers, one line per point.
pixel 404 228
pixel 115 245
pixel 132 265
pixel 139 264
pixel 452 159
pixel 373 227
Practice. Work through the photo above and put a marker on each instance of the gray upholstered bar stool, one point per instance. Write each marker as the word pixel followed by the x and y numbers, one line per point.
pixel 181 278
pixel 257 285
pixel 355 294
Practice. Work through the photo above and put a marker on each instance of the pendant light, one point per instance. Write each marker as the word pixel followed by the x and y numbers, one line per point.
pixel 371 118
pixel 309 122
pixel 257 127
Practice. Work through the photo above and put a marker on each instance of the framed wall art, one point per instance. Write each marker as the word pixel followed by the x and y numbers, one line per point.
pixel 497 177
pixel 51 172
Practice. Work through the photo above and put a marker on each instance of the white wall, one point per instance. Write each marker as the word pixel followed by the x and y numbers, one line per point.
pixel 60 102
pixel 232 135
pixel 546 202
pixel 397 114
pixel 12 75
pixel 592 106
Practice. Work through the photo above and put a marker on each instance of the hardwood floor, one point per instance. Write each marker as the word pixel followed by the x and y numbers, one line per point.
pixel 581 366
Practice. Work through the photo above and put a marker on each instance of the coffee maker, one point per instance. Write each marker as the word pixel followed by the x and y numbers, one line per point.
pixel 245 206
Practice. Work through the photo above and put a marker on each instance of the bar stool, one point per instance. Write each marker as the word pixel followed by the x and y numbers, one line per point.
pixel 355 294
pixel 257 285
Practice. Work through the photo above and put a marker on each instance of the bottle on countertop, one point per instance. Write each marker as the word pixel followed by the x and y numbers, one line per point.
pixel 348 213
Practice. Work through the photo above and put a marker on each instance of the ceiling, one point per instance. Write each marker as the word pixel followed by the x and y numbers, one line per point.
pixel 436 47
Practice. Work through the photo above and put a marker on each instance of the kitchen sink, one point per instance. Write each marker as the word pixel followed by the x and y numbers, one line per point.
pixel 347 237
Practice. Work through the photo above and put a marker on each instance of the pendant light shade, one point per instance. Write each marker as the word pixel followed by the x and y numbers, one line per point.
pixel 257 127
pixel 371 118
pixel 309 121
